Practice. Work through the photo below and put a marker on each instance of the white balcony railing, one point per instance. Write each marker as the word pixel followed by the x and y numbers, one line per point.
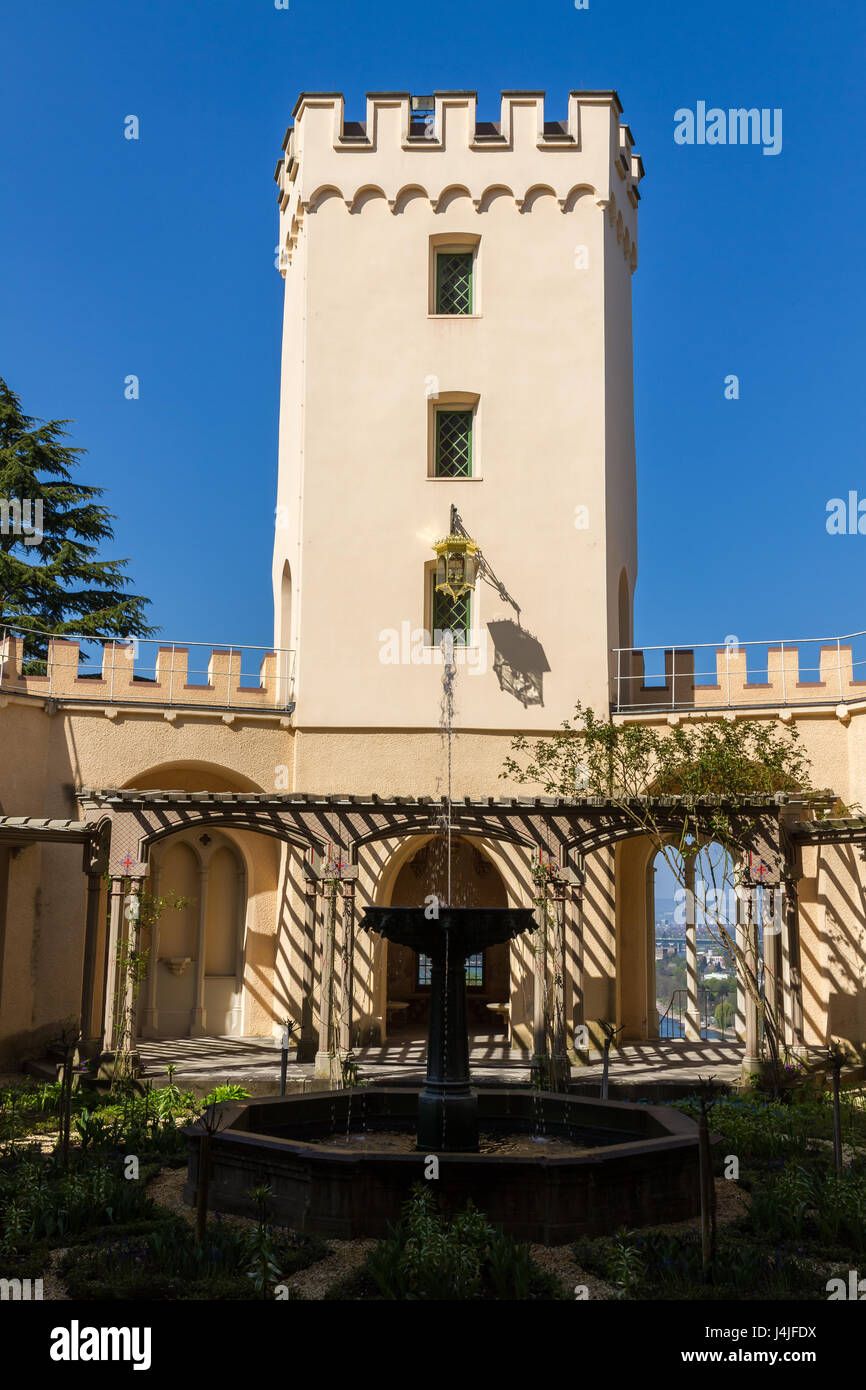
pixel 81 669
pixel 737 675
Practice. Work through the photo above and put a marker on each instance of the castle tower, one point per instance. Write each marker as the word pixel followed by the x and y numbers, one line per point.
pixel 457 333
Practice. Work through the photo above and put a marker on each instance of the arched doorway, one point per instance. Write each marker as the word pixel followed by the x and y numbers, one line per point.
pixel 695 914
pixel 475 882
pixel 195 973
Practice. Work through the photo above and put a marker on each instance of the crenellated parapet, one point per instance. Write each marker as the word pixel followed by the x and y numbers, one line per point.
pixel 172 675
pixel 397 154
pixel 793 675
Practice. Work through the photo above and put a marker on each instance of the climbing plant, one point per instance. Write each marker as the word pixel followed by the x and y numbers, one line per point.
pixel 657 778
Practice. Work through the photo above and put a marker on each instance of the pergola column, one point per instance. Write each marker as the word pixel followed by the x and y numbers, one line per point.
pixel 574 969
pixel 89 1045
pixel 772 941
pixel 198 1022
pixel 308 1042
pixel 561 985
pixel 347 991
pixel 752 1038
pixel 131 940
pixel 692 1021
pixel 324 1064
pixel 113 940
pixel 150 1017
pixel 539 977
pixel 792 986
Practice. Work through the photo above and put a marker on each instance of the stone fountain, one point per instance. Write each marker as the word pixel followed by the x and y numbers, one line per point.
pixel 448 1106
pixel 341 1163
pixel 557 1166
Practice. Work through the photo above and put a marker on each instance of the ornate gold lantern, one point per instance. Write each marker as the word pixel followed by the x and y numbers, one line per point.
pixel 456 566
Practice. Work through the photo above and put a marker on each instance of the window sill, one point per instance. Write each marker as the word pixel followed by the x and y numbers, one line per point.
pixel 451 318
pixel 476 478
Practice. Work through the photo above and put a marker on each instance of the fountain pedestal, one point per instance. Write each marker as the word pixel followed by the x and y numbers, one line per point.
pixel 447 1106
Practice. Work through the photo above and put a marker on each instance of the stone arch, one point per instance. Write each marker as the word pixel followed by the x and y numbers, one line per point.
pixel 574 196
pixel 364 197
pixel 492 195
pixel 537 194
pixel 325 193
pixel 195 977
pixel 415 871
pixel 642 1000
pixel 449 196
pixel 191 775
pixel 410 193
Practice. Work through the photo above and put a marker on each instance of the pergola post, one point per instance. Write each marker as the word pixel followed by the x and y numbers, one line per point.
pixel 308 1042
pixel 132 939
pixel 89 1044
pixel 561 988
pixel 692 1019
pixel 574 965
pixel 772 927
pixel 791 976
pixel 752 1059
pixel 113 943
pixel 347 986
pixel 150 1015
pixel 324 1064
pixel 539 977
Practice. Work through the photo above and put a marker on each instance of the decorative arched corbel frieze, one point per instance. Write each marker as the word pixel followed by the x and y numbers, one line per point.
pixel 493 190
pixel 459 189
pixel 406 194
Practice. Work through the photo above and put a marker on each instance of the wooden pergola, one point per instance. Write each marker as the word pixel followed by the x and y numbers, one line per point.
pixel 330 831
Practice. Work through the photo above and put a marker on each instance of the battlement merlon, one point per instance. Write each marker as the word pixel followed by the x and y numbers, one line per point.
pixel 396 150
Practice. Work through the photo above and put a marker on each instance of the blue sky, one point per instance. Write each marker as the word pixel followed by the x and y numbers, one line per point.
pixel 156 257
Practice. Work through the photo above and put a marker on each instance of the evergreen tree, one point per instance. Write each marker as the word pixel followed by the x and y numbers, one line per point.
pixel 51 529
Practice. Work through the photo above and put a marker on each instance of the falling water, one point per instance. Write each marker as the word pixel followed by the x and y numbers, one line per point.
pixel 446 724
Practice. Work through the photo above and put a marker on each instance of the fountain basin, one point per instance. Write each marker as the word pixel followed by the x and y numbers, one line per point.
pixel 642 1169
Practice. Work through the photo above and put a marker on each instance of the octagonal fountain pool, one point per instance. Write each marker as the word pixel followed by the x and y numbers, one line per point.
pixel 546 1166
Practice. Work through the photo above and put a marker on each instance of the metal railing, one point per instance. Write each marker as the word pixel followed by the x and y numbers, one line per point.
pixel 735 674
pixel 76 668
pixel 672 1023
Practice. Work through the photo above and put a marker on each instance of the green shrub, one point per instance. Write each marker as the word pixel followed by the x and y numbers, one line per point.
pixel 229 1091
pixel 39 1201
pixel 813 1203
pixel 429 1258
pixel 166 1263
pixel 669 1265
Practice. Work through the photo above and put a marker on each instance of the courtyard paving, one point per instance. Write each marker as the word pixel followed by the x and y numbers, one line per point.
pixel 254 1063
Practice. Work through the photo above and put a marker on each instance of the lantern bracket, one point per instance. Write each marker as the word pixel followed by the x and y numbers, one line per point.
pixel 482 566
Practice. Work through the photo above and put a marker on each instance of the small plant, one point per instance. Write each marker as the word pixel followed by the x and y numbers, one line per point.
pixel 165 1262
pixel 264 1270
pixel 93 1130
pixel 429 1257
pixel 349 1071
pixel 229 1091
pixel 627 1267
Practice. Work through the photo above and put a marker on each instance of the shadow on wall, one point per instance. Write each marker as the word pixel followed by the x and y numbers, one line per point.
pixel 846 1021
pixel 519 661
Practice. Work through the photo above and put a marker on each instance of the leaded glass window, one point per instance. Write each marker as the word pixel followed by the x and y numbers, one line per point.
pixel 450 614
pixel 453 444
pixel 454 282
pixel 474 971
